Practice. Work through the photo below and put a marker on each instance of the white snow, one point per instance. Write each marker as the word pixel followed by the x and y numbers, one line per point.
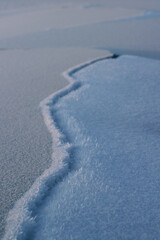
pixel 121 131
pixel 27 77
pixel 106 185
pixel 113 186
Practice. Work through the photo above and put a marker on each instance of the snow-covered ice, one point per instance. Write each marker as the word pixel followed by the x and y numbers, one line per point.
pixel 27 77
pixel 38 40
pixel 107 184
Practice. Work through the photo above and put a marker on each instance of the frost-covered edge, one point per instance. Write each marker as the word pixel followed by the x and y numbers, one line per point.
pixel 22 218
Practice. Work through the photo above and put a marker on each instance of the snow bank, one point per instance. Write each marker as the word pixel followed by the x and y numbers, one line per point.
pixel 113 189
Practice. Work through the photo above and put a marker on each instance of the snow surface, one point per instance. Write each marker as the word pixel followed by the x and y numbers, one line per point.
pixel 29 75
pixel 105 127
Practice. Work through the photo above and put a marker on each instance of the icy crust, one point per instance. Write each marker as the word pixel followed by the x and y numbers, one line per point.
pixel 21 219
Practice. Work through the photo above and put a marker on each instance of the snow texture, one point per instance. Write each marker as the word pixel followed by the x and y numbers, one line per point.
pixel 105 130
pixel 113 189
pixel 21 219
pixel 112 121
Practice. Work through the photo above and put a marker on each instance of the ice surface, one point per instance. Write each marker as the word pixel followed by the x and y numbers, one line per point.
pixel 57 17
pixel 138 36
pixel 26 77
pixel 106 129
